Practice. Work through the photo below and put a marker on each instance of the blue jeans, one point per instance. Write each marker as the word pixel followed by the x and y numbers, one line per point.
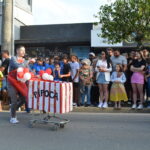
pixel 148 87
pixel 4 84
pixel 85 90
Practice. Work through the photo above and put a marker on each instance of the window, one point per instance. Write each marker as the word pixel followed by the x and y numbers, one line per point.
pixel 29 2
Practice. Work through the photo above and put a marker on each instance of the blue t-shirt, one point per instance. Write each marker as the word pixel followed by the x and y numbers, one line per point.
pixel 38 68
pixel 51 66
pixel 56 78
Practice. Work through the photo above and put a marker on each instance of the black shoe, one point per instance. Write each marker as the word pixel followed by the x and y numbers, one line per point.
pixel 81 104
pixel 87 105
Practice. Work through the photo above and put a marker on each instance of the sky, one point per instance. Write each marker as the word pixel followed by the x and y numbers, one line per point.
pixel 66 11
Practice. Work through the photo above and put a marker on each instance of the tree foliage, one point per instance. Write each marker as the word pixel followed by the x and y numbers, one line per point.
pixel 125 20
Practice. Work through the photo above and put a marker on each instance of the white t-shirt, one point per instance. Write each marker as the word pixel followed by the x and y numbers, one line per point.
pixel 101 63
pixel 74 67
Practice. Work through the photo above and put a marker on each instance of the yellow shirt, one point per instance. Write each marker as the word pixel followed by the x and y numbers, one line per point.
pixel 1 76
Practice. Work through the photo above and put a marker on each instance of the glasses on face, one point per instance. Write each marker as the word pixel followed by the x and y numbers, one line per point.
pixel 103 54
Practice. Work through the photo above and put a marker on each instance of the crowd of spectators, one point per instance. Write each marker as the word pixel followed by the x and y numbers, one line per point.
pixel 108 78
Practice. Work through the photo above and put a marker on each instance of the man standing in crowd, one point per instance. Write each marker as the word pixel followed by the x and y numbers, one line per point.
pixel 17 100
pixel 94 87
pixel 75 78
pixel 145 54
pixel 4 69
pixel 110 52
pixel 118 59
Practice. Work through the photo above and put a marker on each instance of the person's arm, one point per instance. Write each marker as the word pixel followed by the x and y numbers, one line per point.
pixel 14 63
pixel 109 69
pixel 77 74
pixel 67 74
pixel 123 78
pixel 5 64
pixel 112 77
pixel 1 79
pixel 135 69
pixel 124 67
pixel 80 75
pixel 124 62
pixel 97 66
pixel 1 76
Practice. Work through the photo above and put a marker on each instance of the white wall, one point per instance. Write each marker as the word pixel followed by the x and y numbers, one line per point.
pixel 23 16
pixel 97 41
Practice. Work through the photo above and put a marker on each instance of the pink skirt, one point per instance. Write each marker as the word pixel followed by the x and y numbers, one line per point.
pixel 138 78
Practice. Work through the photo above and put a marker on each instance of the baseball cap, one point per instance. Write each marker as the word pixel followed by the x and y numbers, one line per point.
pixel 93 54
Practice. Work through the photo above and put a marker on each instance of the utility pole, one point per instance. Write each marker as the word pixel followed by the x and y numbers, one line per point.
pixel 7 26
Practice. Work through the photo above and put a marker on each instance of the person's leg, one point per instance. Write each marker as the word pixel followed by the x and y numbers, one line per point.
pixel 148 93
pixel 134 89
pixel 1 106
pixel 13 96
pixel 106 93
pixel 119 104
pixel 76 92
pixel 88 94
pixel 140 91
pixel 1 100
pixel 95 95
pixel 115 105
pixel 148 89
pixel 101 93
pixel 21 101
pixel 82 94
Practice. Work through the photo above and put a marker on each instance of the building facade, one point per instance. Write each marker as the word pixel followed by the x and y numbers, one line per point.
pixel 58 39
pixel 22 15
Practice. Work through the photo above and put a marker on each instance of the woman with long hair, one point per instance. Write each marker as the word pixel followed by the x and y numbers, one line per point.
pixel 137 79
pixel 103 69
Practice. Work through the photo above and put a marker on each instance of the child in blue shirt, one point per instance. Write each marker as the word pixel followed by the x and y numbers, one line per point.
pixel 118 92
pixel 57 72
pixel 39 66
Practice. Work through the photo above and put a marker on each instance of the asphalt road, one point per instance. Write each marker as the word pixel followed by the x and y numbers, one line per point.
pixel 86 131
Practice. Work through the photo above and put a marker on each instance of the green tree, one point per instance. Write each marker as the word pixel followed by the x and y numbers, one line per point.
pixel 125 20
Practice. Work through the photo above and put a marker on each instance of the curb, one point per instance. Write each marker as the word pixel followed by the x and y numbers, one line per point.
pixel 100 110
pixel 110 110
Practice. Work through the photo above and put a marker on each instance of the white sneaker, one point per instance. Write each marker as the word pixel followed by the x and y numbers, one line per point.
pixel 134 106
pixel 14 121
pixel 19 109
pixel 74 104
pixel 100 105
pixel 105 105
pixel 140 106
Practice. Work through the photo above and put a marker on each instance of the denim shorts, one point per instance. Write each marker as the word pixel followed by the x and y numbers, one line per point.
pixel 101 79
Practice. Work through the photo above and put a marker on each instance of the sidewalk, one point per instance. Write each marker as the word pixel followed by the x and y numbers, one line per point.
pixel 110 110
pixel 100 110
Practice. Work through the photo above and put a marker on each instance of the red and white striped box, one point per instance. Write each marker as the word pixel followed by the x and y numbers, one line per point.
pixel 54 97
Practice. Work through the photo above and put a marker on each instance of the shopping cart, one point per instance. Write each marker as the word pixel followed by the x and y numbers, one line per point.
pixel 51 99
